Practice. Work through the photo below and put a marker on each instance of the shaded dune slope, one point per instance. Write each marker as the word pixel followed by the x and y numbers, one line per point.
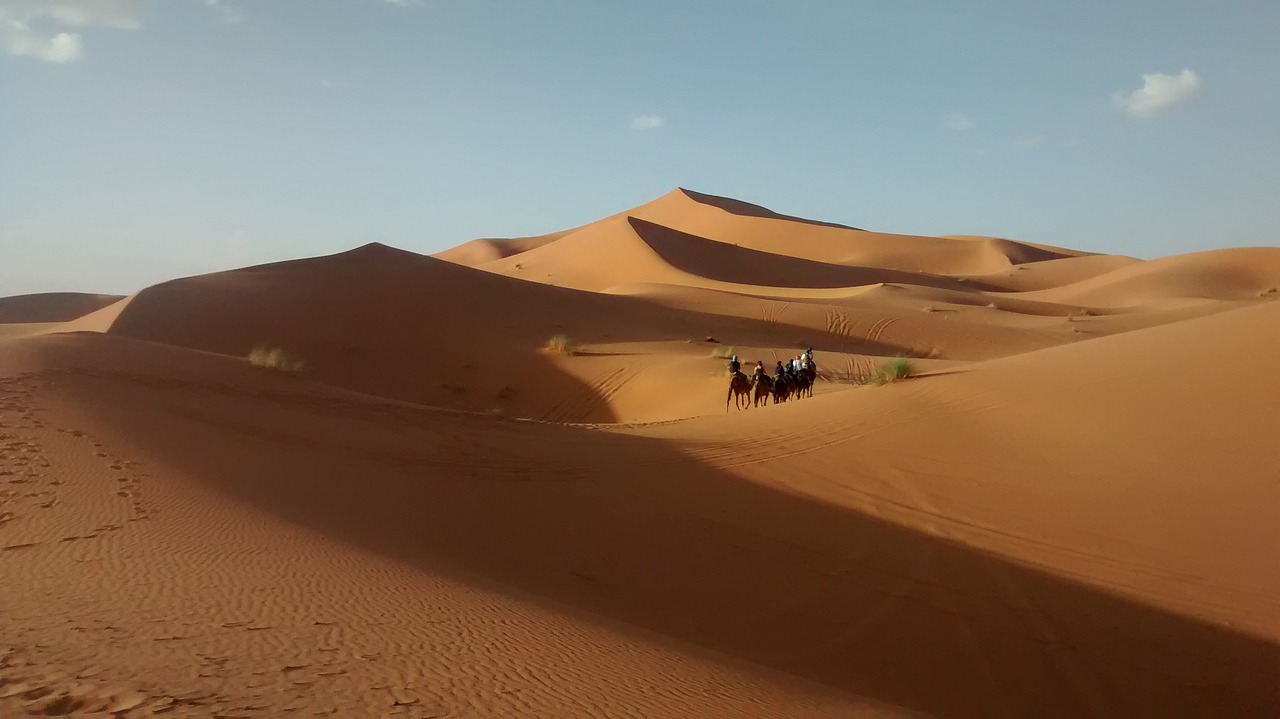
pixel 737 265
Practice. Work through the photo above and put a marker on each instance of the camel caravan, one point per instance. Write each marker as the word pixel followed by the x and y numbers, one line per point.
pixel 791 380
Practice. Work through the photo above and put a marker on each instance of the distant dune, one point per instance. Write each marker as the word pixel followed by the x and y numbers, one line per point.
pixel 511 479
pixel 51 306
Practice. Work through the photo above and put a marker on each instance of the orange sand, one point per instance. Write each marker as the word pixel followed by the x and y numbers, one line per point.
pixel 1070 511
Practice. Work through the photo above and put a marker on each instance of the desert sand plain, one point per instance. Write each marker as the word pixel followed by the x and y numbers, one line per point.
pixel 1069 510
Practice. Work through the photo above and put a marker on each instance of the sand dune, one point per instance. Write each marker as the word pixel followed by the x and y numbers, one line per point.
pixel 51 306
pixel 1234 274
pixel 1054 273
pixel 479 252
pixel 756 228
pixel 1069 511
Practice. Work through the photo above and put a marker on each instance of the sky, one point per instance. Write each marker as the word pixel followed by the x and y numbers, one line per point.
pixel 143 140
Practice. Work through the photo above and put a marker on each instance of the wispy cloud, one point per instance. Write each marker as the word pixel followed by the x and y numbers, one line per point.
pixel 226 13
pixel 644 123
pixel 958 122
pixel 39 28
pixel 1029 141
pixel 1159 92
pixel 43 29
pixel 404 3
pixel 18 39
pixel 113 13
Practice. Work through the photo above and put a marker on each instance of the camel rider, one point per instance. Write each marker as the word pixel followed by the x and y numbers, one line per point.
pixel 734 366
pixel 808 356
pixel 779 373
pixel 758 377
pixel 796 367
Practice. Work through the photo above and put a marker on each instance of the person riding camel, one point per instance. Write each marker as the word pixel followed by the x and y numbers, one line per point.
pixel 734 366
pixel 758 376
pixel 808 355
pixel 779 373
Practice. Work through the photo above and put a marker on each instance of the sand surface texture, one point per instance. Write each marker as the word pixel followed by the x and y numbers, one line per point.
pixel 361 485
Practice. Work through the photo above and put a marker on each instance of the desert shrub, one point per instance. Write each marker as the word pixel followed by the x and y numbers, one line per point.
pixel 561 344
pixel 724 352
pixel 275 358
pixel 891 370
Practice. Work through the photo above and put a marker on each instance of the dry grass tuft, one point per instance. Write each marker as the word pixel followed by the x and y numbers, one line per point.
pixel 892 370
pixel 561 344
pixel 275 358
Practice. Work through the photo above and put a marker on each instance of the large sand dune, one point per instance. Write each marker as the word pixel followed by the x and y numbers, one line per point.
pixel 1070 511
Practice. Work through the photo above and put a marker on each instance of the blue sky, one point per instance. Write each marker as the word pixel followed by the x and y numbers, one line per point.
pixel 142 140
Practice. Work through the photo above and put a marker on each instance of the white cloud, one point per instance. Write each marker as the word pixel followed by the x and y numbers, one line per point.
pixel 18 39
pixel 1158 93
pixel 1029 141
pixel 647 122
pixel 958 122
pixel 404 3
pixel 25 31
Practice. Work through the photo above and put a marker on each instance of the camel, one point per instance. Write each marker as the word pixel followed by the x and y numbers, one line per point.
pixel 761 391
pixel 804 384
pixel 739 389
pixel 781 389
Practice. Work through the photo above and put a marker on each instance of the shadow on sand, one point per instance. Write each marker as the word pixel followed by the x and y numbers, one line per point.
pixel 630 529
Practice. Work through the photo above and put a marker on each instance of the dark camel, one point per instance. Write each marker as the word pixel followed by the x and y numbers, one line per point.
pixel 761 389
pixel 739 390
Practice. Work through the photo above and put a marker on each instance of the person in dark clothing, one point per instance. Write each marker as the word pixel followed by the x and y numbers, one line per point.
pixel 759 375
pixel 734 366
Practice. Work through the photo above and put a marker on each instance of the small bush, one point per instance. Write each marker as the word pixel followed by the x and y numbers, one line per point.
pixel 724 352
pixel 891 370
pixel 561 344
pixel 275 358
pixel 928 308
